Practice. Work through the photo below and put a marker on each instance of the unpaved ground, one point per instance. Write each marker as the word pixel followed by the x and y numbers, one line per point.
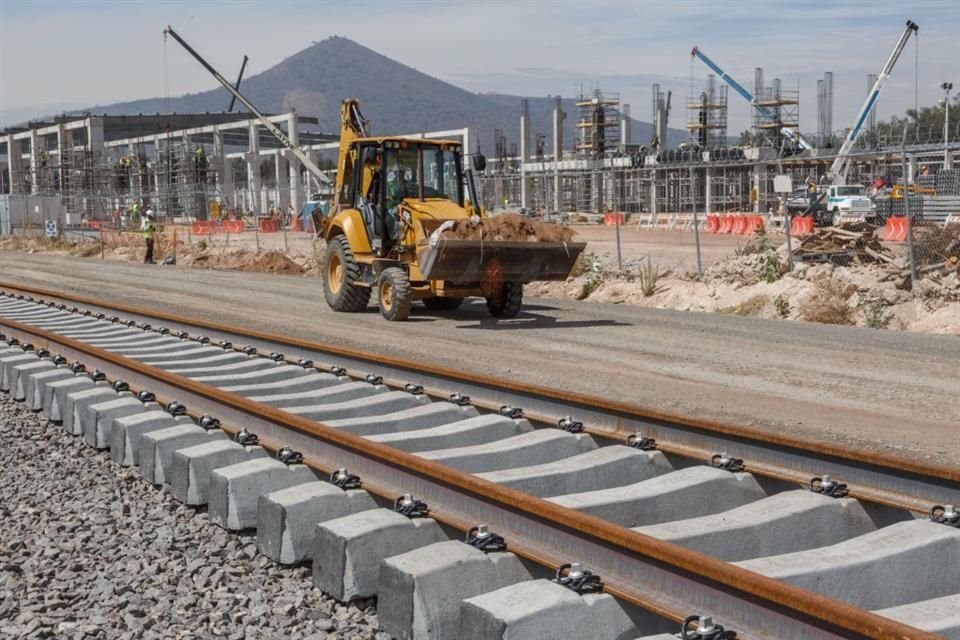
pixel 885 390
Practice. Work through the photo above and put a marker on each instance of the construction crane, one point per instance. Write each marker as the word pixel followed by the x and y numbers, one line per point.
pixel 838 170
pixel 233 99
pixel 272 128
pixel 795 136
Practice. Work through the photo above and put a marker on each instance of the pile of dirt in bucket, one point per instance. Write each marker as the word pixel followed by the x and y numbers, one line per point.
pixel 509 226
pixel 240 260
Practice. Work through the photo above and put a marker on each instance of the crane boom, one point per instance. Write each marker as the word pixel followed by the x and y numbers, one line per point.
pixel 838 168
pixel 233 99
pixel 272 128
pixel 796 136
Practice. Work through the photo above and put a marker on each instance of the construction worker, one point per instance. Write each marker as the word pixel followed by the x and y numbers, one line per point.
pixel 149 229
pixel 812 192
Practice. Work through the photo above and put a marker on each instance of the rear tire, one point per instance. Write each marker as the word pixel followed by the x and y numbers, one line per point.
pixel 340 273
pixel 508 301
pixel 437 303
pixel 394 296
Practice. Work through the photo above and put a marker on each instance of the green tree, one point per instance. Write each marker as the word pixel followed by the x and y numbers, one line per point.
pixel 925 125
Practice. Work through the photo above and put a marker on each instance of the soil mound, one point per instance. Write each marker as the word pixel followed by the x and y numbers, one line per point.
pixel 240 260
pixel 511 227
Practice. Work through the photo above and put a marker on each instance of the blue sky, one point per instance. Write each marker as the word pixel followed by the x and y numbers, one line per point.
pixel 57 54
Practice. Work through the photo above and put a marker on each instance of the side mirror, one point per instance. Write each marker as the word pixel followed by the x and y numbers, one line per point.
pixel 479 162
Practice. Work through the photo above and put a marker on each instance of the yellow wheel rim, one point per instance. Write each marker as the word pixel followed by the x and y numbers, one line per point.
pixel 335 274
pixel 386 294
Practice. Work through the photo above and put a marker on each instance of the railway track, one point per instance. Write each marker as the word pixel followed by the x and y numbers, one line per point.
pixel 676 517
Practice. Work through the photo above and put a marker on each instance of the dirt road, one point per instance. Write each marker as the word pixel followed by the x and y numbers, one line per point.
pixel 884 390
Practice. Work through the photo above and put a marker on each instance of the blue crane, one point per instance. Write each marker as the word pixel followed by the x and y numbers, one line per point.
pixel 796 136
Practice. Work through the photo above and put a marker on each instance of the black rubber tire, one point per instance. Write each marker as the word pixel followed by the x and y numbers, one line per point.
pixel 507 304
pixel 347 297
pixel 397 305
pixel 437 303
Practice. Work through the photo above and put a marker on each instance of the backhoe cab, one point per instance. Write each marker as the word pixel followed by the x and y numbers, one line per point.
pixel 391 194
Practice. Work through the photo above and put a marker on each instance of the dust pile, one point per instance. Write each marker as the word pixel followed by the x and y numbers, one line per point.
pixel 877 295
pixel 509 227
pixel 236 259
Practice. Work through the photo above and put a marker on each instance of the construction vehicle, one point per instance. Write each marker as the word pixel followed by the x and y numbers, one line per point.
pixel 393 198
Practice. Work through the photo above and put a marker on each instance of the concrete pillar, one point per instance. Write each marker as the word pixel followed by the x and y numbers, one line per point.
pixel 653 192
pixel 63 140
pixel 255 201
pixel 14 164
pixel 34 161
pixel 224 170
pixel 524 152
pixel 279 190
pixel 911 169
pixel 708 185
pixel 558 117
pixel 625 133
pixel 295 198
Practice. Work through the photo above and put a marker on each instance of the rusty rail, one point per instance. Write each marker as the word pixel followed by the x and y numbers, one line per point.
pixel 657 576
pixel 871 476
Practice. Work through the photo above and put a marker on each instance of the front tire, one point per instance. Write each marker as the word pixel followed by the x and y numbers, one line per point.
pixel 437 303
pixel 394 296
pixel 340 274
pixel 507 302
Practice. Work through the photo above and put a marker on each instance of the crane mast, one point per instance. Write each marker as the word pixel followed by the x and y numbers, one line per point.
pixel 795 136
pixel 272 128
pixel 839 167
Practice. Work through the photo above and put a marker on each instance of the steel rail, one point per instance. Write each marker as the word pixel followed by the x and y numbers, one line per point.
pixel 655 575
pixel 871 476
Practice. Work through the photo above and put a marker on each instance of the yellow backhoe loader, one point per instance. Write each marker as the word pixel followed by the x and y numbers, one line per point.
pixel 393 198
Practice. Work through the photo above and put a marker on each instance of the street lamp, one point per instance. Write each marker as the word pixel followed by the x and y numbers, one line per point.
pixel 946 86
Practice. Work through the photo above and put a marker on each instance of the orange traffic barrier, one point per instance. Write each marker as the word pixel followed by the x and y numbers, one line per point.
pixel 801 226
pixel 295 225
pixel 713 223
pixel 231 226
pixel 752 224
pixel 269 225
pixel 896 229
pixel 611 219
pixel 726 223
pixel 204 227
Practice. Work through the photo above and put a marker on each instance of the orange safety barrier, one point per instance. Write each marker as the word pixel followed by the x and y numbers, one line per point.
pixel 801 226
pixel 296 225
pixel 611 219
pixel 91 224
pixel 231 226
pixel 713 223
pixel 269 225
pixel 741 225
pixel 726 224
pixel 896 229
pixel 204 227
pixel 751 224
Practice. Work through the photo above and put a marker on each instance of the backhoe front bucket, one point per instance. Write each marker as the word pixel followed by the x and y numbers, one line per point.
pixel 468 261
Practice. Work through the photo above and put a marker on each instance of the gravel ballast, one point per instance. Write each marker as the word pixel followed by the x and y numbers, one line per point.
pixel 89 549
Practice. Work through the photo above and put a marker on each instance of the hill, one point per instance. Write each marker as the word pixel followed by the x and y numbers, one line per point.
pixel 396 98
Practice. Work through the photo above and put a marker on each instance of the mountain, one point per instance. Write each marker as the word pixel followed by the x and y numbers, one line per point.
pixel 397 99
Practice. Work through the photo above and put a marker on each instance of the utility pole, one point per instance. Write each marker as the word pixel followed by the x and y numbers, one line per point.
pixel 946 86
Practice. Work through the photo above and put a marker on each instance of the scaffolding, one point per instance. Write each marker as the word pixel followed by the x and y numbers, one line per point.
pixel 782 111
pixel 598 124
pixel 707 115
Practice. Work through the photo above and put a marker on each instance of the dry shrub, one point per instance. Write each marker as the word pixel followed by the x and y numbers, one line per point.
pixel 751 307
pixel 829 303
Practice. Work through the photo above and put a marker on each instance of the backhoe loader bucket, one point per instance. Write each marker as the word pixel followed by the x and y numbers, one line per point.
pixel 466 261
